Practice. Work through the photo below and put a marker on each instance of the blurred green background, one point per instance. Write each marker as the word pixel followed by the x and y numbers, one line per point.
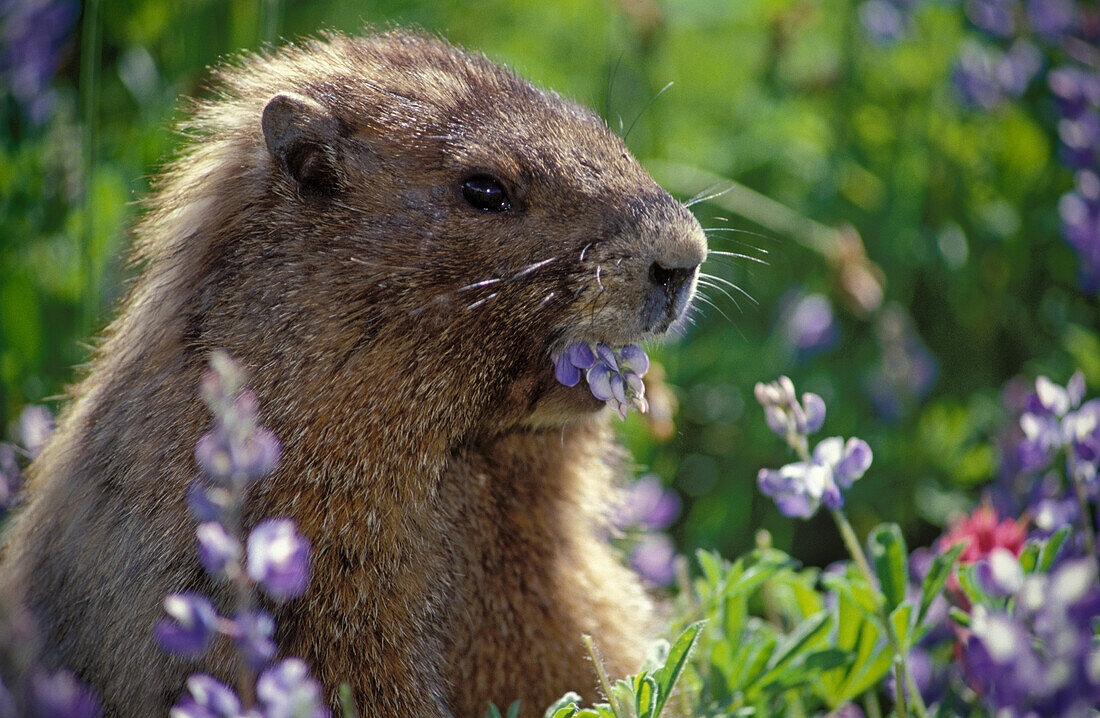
pixel 911 262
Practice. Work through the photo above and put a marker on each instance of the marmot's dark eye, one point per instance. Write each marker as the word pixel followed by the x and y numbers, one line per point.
pixel 485 193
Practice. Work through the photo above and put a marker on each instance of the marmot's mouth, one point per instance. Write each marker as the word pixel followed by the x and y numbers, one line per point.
pixel 614 375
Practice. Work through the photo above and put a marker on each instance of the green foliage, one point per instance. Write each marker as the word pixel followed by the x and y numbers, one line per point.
pixel 644 695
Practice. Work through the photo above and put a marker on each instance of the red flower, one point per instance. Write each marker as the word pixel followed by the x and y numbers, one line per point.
pixel 980 533
pixel 983 531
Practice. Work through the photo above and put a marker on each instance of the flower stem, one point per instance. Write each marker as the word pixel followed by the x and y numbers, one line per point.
pixel 905 683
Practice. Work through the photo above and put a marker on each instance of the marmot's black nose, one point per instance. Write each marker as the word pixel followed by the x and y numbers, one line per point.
pixel 668 295
pixel 671 280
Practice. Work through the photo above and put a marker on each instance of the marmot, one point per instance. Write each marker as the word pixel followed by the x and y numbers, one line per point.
pixel 333 225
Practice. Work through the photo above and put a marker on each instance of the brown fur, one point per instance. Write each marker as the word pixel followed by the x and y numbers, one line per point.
pixel 453 492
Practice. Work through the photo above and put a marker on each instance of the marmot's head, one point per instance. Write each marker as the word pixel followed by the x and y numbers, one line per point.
pixel 404 207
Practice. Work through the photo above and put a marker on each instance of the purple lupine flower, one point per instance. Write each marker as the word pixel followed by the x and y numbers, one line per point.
pixel 207 697
pixel 1056 420
pixel 33 40
pixel 801 487
pixel 35 426
pixel 999 574
pixel 1080 214
pixel 278 558
pixel 1053 19
pixel 907 370
pixel 654 558
pixel 975 77
pixel 809 324
pixel 613 376
pixel 1016 68
pixel 60 695
pixel 571 365
pixel 883 22
pixel 286 690
pixel 783 412
pixel 1075 89
pixel 218 551
pixel 189 626
pixel 1040 659
pixel 10 474
pixel 253 633
pixel 649 505
pixel 995 17
pixel 225 456
pixel 1080 139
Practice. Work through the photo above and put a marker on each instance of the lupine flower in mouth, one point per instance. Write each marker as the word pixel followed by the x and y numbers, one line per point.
pixel 614 376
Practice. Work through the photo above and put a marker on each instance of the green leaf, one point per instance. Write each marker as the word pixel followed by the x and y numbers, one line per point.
pixel 493 711
pixel 802 635
pixel 677 658
pixel 622 699
pixel 1029 556
pixel 827 659
pixel 645 696
pixel 937 574
pixel 564 707
pixel 971 587
pixel 901 618
pixel 513 710
pixel 889 555
pixel 1050 549
pixel 959 616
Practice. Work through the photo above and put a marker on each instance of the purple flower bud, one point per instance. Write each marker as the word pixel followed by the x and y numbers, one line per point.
pixel 855 462
pixel 776 419
pixel 253 634
pixel 217 549
pixel 286 690
pixel 634 359
pixel 599 381
pixel 565 372
pixel 654 559
pixel 207 698
pixel 813 407
pixel 278 558
pixel 766 394
pixel 190 624
pixel 60 695
pixel 786 391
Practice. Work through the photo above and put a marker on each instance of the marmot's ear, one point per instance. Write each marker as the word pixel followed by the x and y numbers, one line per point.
pixel 302 136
